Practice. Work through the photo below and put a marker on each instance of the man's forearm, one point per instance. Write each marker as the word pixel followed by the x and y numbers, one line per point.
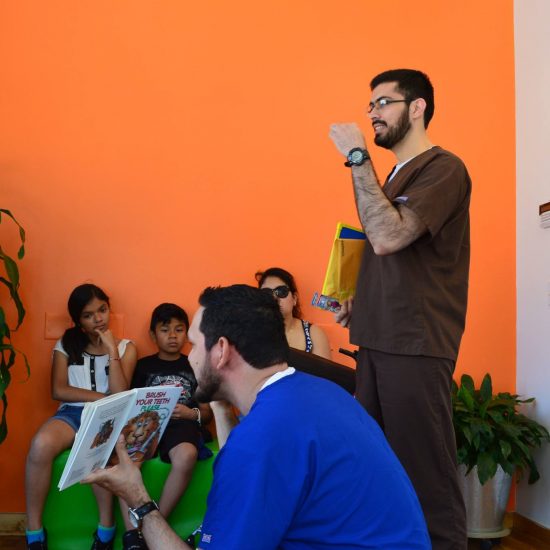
pixel 388 228
pixel 159 535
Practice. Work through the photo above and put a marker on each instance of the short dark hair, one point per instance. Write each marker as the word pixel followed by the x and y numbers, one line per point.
pixel 289 281
pixel 251 321
pixel 413 85
pixel 163 313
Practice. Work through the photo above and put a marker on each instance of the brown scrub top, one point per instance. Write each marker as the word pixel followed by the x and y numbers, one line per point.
pixel 413 302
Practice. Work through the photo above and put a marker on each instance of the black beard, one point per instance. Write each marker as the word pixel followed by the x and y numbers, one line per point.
pixel 208 387
pixel 395 134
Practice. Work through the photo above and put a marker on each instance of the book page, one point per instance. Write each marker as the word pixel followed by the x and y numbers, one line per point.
pixel 96 437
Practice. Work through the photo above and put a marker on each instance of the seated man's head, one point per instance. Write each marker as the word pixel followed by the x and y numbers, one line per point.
pixel 240 319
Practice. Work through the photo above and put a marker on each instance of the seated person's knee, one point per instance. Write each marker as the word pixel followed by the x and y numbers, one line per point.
pixel 183 456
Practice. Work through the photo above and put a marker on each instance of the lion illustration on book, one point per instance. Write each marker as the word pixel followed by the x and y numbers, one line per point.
pixel 142 435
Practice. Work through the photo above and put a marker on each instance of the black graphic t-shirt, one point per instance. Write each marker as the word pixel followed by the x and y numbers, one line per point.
pixel 152 371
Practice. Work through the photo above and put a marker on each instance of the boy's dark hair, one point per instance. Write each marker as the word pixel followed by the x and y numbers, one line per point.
pixel 163 313
pixel 251 321
pixel 289 281
pixel 74 340
pixel 413 85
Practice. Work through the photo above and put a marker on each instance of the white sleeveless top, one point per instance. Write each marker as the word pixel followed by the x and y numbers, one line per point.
pixel 93 374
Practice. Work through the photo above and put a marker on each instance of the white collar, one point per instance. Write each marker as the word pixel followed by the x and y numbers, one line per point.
pixel 277 376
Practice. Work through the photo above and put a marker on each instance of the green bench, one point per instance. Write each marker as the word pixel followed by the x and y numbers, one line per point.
pixel 70 516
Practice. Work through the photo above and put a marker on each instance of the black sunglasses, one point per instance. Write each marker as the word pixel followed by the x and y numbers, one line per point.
pixel 280 291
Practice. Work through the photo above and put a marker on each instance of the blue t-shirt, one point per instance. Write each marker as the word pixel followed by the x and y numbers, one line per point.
pixel 309 469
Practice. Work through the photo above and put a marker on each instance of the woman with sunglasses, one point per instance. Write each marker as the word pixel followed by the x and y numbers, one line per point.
pixel 300 334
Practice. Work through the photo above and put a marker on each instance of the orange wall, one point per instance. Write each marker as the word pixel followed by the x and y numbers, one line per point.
pixel 155 148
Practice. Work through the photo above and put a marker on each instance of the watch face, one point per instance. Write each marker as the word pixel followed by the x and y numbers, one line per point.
pixel 356 157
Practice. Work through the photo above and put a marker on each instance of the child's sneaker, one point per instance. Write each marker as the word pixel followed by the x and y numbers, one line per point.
pixel 39 544
pixel 99 545
pixel 133 540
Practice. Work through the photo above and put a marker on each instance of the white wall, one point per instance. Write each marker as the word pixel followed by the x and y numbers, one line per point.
pixel 532 41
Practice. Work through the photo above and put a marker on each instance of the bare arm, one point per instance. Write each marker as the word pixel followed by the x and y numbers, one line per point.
pixel 125 481
pixel 321 345
pixel 122 368
pixel 225 420
pixel 183 412
pixel 61 389
pixel 388 228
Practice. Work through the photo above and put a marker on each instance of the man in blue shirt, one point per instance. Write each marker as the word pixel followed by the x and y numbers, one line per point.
pixel 307 467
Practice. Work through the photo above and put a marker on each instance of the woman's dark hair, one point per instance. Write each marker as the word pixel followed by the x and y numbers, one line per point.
pixel 289 281
pixel 74 340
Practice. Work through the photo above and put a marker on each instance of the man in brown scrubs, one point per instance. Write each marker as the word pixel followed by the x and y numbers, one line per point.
pixel 410 306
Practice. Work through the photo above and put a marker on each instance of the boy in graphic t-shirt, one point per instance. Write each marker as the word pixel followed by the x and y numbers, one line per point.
pixel 181 440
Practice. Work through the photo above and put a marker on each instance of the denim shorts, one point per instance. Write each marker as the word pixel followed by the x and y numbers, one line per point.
pixel 70 414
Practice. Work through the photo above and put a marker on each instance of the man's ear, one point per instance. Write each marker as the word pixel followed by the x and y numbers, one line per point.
pixel 221 353
pixel 153 336
pixel 418 106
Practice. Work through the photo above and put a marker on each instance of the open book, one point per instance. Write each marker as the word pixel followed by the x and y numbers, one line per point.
pixel 140 414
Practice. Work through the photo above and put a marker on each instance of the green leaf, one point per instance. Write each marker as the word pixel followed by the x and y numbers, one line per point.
pixel 466 397
pixel 486 467
pixel 486 389
pixel 467 382
pixel 3 423
pixel 505 448
pixel 17 301
pixel 11 268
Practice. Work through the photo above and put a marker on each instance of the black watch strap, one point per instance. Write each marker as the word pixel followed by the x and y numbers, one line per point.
pixel 137 514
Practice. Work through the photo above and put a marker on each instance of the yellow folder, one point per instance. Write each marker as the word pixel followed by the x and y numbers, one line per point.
pixel 343 265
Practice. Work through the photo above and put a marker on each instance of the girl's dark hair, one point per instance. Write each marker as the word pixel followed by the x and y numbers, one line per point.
pixel 289 281
pixel 74 340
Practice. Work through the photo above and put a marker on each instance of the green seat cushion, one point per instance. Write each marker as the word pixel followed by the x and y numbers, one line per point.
pixel 71 516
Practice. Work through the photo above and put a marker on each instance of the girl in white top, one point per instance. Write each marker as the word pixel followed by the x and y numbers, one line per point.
pixel 88 363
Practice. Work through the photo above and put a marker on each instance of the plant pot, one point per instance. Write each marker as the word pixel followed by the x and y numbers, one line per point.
pixel 485 504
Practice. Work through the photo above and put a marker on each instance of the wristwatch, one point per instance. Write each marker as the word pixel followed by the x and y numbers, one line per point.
pixel 356 157
pixel 136 515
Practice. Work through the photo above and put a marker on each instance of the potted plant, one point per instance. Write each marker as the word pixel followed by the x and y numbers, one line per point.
pixel 494 442
pixel 9 278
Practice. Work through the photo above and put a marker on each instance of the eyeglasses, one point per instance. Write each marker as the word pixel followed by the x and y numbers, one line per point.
pixel 280 291
pixel 381 102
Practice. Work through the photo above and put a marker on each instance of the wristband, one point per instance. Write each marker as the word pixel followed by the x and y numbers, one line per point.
pixel 198 411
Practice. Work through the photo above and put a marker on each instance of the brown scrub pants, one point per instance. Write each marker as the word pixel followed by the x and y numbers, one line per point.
pixel 410 397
